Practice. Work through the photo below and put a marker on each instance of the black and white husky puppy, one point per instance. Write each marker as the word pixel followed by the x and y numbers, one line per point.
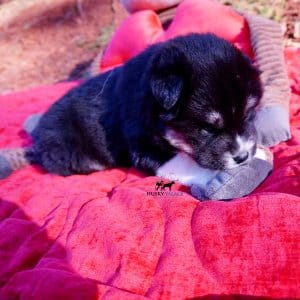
pixel 185 103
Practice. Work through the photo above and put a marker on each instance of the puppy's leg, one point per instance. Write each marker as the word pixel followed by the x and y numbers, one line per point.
pixel 185 170
pixel 64 159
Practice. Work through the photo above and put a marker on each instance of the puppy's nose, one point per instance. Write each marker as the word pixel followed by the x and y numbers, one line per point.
pixel 243 156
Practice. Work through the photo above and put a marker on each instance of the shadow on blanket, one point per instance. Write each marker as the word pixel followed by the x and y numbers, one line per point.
pixel 34 262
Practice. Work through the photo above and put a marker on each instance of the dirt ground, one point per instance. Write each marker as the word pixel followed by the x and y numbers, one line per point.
pixel 48 51
pixel 60 46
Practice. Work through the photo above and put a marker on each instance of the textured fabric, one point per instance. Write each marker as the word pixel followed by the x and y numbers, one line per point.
pixel 102 235
pixel 267 44
pixel 144 28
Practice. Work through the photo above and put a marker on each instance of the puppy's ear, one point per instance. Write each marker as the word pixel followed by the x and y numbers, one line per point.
pixel 167 76
pixel 167 89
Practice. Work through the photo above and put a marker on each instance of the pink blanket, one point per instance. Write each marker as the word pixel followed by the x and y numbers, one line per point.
pixel 103 236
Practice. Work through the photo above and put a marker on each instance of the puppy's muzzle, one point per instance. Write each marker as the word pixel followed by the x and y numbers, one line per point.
pixel 241 157
pixel 243 153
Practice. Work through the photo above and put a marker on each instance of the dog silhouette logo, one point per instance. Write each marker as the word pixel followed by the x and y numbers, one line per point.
pixel 162 186
pixel 159 184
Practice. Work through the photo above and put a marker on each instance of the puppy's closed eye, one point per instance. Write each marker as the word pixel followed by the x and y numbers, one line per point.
pixel 209 129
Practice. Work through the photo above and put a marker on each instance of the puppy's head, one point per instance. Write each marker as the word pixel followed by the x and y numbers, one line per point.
pixel 207 91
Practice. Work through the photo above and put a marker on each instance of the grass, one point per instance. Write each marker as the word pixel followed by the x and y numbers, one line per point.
pixel 272 9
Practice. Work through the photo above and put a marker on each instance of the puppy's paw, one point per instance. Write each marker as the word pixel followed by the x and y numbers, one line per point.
pixel 234 183
pixel 272 125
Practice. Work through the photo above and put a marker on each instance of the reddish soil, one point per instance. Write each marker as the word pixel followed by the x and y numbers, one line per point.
pixel 48 51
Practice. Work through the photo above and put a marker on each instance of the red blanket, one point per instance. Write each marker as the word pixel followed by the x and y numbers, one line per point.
pixel 104 236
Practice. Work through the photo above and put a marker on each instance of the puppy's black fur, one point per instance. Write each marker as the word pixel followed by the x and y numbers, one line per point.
pixel 120 118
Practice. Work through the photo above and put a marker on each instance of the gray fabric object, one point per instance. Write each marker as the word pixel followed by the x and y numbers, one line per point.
pixel 272 122
pixel 272 125
pixel 12 159
pixel 234 183
pixel 5 167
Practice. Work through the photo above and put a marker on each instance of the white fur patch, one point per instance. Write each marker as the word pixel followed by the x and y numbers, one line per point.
pixel 243 144
pixel 230 163
pixel 96 166
pixel 178 141
pixel 184 169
